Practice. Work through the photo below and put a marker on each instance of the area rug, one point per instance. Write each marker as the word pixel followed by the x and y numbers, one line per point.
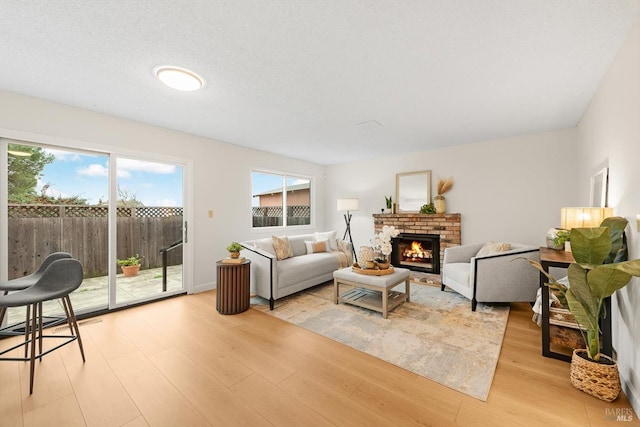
pixel 436 335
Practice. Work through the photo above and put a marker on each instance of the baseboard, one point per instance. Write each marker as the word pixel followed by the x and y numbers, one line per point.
pixel 204 287
pixel 633 396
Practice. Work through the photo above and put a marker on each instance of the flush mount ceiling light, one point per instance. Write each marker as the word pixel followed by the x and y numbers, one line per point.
pixel 18 153
pixel 179 78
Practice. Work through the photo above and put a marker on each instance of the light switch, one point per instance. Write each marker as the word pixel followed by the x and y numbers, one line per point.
pixel 210 213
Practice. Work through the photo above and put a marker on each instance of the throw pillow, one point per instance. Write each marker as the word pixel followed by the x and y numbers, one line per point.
pixel 315 247
pixel 282 247
pixel 330 236
pixel 492 248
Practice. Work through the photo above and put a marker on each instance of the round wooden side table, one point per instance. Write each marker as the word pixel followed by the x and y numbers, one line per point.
pixel 233 293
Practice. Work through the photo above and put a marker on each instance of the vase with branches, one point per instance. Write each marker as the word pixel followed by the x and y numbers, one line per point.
pixel 444 185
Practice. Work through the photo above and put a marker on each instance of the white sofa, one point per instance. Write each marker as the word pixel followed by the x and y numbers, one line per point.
pixel 273 279
pixel 499 277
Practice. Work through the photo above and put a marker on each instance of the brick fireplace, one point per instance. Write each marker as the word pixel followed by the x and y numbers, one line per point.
pixel 447 226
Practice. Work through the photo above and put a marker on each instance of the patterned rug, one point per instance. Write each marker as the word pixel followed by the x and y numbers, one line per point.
pixel 436 335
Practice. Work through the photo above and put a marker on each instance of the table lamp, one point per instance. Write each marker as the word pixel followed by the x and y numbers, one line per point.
pixel 582 217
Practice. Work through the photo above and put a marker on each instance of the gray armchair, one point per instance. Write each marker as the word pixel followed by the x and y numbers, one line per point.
pixel 491 278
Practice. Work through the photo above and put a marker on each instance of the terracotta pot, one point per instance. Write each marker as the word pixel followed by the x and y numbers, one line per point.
pixel 130 270
pixel 234 255
pixel 601 380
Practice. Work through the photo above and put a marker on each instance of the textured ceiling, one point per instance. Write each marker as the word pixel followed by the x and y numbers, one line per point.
pixel 325 81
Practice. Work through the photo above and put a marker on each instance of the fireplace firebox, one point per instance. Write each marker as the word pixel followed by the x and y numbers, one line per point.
pixel 418 252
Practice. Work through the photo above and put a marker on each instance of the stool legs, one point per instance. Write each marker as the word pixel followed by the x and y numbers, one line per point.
pixel 3 312
pixel 34 332
pixel 32 361
pixel 71 318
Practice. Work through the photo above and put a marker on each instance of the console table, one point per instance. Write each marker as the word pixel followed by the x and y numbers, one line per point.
pixel 562 259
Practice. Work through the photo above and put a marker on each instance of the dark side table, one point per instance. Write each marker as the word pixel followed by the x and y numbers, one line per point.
pixel 562 259
pixel 233 283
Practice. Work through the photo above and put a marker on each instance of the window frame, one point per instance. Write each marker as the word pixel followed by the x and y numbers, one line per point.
pixel 284 177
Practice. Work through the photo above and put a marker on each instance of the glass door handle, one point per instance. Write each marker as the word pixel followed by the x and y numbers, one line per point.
pixel 186 230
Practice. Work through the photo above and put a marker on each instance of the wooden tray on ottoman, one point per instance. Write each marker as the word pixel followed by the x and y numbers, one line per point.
pixel 371 271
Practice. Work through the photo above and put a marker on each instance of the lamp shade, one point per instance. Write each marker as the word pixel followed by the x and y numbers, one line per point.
pixel 348 205
pixel 583 217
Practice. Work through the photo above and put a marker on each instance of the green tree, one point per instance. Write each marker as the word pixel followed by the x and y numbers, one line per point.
pixel 128 198
pixel 24 171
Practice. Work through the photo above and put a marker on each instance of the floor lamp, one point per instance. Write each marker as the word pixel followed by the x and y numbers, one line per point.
pixel 348 205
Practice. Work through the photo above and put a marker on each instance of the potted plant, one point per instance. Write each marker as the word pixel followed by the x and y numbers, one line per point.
pixel 234 250
pixel 130 266
pixel 428 209
pixel 591 281
pixel 388 202
pixel 556 238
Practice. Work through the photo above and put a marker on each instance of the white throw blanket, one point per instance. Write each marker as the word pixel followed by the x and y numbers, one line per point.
pixel 343 254
pixel 537 307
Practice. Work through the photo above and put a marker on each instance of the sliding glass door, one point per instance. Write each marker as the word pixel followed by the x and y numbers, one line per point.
pixel 149 224
pixel 100 208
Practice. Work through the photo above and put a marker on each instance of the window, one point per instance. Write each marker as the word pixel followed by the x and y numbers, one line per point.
pixel 280 200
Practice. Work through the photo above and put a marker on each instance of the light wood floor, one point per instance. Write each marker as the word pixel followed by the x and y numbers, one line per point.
pixel 178 362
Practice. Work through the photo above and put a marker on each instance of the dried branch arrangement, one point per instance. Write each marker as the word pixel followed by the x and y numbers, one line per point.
pixel 444 185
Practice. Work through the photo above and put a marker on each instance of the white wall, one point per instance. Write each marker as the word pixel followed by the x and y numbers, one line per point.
pixel 221 175
pixel 609 135
pixel 510 189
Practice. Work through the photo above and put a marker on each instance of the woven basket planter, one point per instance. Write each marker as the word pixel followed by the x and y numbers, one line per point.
pixel 597 379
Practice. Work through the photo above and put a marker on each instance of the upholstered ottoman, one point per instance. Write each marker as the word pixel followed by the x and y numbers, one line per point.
pixel 372 292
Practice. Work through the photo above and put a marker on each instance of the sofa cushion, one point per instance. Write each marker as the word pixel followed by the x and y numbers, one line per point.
pixel 330 236
pixel 265 245
pixel 282 247
pixel 492 248
pixel 314 247
pixel 292 271
pixel 298 246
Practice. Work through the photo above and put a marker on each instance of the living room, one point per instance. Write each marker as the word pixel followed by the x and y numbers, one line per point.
pixel 506 188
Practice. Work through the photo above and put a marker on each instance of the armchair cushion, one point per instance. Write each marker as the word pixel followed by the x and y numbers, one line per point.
pixel 492 248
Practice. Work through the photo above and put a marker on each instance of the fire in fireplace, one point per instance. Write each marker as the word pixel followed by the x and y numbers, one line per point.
pixel 419 252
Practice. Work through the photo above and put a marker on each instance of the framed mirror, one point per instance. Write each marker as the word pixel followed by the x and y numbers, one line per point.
pixel 599 189
pixel 413 190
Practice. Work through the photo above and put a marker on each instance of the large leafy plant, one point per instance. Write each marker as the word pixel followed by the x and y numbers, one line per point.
pixel 591 280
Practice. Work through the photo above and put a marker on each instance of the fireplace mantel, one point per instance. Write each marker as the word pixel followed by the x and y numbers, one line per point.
pixel 447 226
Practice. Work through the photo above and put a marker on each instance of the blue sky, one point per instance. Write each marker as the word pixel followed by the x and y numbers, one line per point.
pixel 85 175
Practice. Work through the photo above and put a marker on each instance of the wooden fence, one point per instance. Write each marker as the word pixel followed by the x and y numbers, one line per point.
pixel 37 230
pixel 271 216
